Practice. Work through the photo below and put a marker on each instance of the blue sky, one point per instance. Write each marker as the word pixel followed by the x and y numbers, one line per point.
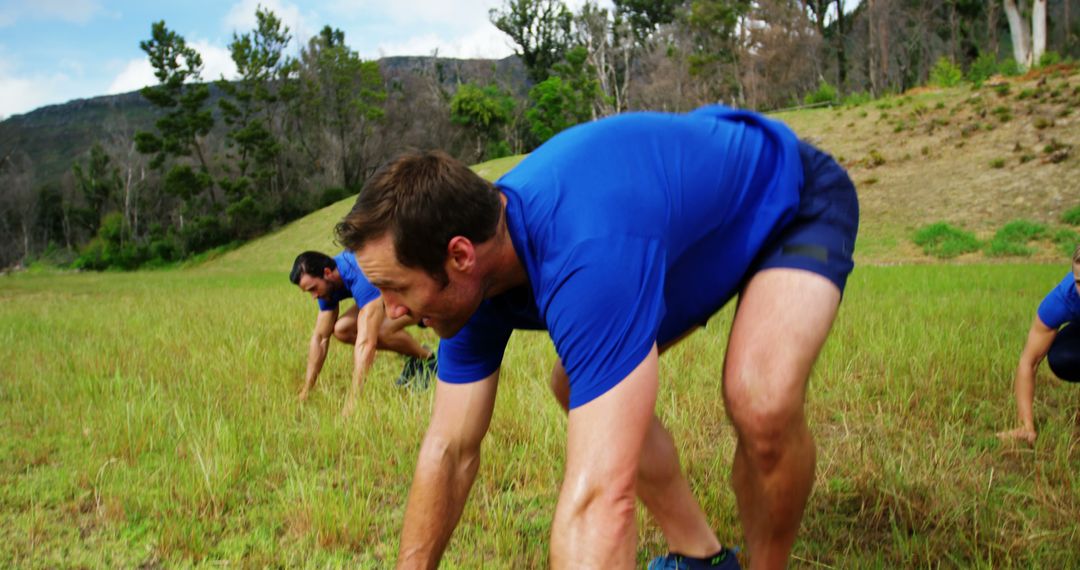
pixel 53 51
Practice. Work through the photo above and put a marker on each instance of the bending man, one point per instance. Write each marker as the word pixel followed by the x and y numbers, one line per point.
pixel 619 237
pixel 1054 335
pixel 364 325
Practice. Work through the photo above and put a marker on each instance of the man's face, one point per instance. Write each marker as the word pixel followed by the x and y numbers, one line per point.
pixel 1076 276
pixel 408 291
pixel 317 287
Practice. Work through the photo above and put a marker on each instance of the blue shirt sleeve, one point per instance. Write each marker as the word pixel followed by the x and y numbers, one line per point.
pixel 476 351
pixel 605 314
pixel 1061 305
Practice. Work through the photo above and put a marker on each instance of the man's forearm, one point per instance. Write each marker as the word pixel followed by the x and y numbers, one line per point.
pixel 437 498
pixel 1024 389
pixel 363 358
pixel 316 357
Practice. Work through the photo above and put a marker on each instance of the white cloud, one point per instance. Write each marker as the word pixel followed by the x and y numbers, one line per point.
pixel 138 73
pixel 74 11
pixel 486 42
pixel 24 93
pixel 241 18
pixel 217 61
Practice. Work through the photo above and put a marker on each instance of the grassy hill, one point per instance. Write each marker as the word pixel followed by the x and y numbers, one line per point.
pixel 973 157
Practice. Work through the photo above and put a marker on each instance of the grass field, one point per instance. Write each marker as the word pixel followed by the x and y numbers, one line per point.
pixel 150 420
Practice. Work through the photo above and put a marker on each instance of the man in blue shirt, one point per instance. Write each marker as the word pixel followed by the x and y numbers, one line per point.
pixel 620 237
pixel 1054 336
pixel 364 325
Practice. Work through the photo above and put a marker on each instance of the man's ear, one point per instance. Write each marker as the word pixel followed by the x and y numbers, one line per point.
pixel 327 272
pixel 460 254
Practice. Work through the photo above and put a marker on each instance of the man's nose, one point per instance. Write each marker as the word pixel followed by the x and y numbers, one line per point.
pixel 394 308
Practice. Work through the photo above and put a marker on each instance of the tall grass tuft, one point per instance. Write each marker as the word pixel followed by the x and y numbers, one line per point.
pixel 1013 238
pixel 945 241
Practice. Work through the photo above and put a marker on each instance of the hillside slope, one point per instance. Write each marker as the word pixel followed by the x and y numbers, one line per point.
pixel 974 157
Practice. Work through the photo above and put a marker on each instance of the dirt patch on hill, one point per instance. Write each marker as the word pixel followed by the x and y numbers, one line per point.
pixel 973 157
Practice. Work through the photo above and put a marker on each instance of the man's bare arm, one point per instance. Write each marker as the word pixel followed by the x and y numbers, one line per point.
pixel 317 349
pixel 368 321
pixel 445 469
pixel 1039 339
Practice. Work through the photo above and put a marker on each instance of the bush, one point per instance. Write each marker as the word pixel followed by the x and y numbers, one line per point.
pixel 945 241
pixel 825 94
pixel 1049 58
pixel 1066 240
pixel 857 98
pixel 1010 68
pixel 1013 238
pixel 1072 216
pixel 982 68
pixel 332 194
pixel 946 73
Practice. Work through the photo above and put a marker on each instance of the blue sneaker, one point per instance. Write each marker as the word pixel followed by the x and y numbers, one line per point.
pixel 723 560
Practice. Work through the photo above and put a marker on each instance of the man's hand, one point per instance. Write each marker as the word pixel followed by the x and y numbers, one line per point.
pixel 1020 433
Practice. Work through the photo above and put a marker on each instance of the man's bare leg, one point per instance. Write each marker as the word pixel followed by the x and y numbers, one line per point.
pixel 661 485
pixel 783 319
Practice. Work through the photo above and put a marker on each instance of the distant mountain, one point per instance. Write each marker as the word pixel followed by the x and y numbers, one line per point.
pixel 56 135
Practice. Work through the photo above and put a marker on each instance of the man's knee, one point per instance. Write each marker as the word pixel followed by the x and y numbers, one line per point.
pixel 345 331
pixel 766 426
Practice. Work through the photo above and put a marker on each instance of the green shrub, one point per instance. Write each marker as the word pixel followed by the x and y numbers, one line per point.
pixel 997 163
pixel 1013 238
pixel 1072 216
pixel 1049 58
pixel 332 194
pixel 857 98
pixel 825 94
pixel 945 241
pixel 982 68
pixel 1066 240
pixel 946 73
pixel 1010 68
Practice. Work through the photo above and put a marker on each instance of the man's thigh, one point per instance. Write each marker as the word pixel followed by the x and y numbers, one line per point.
pixel 345 327
pixel 782 321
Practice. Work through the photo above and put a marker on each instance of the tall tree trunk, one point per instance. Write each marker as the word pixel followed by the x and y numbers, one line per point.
pixel 1018 33
pixel 871 65
pixel 991 27
pixel 1038 30
pixel 841 57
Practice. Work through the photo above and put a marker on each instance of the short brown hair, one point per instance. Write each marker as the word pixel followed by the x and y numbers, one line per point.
pixel 423 199
pixel 1076 255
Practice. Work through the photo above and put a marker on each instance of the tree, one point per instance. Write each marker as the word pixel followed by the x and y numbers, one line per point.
pixel 259 183
pixel 716 27
pixel 609 45
pixel 483 111
pixel 342 100
pixel 1027 48
pixel 99 183
pixel 564 99
pixel 646 16
pixel 182 97
pixel 541 30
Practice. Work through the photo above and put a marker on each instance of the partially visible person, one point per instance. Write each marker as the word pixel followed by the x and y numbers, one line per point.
pixel 1055 336
pixel 365 325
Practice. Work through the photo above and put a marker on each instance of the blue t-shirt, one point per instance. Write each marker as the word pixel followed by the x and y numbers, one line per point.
pixel 356 284
pixel 632 229
pixel 1061 305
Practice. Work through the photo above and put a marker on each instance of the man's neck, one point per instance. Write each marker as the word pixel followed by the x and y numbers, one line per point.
pixel 505 271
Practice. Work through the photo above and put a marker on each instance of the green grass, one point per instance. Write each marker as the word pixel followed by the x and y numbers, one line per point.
pixel 1013 238
pixel 151 418
pixel 945 241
